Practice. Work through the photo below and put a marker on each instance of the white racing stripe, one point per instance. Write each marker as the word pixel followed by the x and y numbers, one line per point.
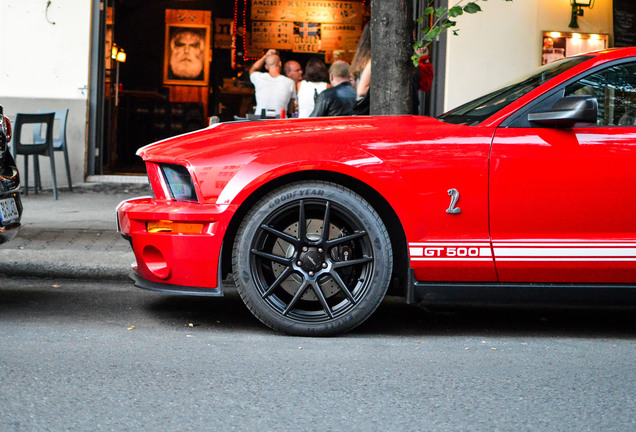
pixel 515 250
pixel 531 252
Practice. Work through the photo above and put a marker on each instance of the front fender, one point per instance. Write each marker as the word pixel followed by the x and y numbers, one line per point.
pixel 362 166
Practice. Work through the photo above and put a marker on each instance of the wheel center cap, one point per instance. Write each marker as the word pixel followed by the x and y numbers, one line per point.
pixel 311 260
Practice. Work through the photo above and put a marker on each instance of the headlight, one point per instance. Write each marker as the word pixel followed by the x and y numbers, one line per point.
pixel 179 182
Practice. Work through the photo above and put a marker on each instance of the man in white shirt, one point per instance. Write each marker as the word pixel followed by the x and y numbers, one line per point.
pixel 274 90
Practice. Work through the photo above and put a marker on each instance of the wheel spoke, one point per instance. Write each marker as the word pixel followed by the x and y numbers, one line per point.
pixel 301 292
pixel 322 299
pixel 341 264
pixel 277 259
pixel 338 280
pixel 283 236
pixel 326 221
pixel 302 222
pixel 284 275
pixel 345 239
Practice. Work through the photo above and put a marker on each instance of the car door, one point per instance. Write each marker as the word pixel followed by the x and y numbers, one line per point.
pixel 563 200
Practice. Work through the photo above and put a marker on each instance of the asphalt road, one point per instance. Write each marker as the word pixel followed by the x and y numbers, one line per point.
pixel 80 356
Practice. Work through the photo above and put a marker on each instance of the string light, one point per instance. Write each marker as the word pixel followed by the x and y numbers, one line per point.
pixel 234 41
pixel 245 34
pixel 236 28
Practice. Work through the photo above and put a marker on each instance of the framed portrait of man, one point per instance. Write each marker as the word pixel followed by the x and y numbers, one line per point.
pixel 185 60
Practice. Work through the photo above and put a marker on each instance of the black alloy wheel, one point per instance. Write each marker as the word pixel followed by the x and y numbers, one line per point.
pixel 312 259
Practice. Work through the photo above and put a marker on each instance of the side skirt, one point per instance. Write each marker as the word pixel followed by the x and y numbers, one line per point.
pixel 508 294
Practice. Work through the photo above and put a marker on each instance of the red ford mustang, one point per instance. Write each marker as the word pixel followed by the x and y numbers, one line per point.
pixel 527 193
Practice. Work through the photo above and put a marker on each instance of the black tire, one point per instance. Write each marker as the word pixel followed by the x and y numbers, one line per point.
pixel 312 282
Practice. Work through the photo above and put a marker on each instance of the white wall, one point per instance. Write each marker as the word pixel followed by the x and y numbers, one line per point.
pixel 46 66
pixel 39 59
pixel 504 41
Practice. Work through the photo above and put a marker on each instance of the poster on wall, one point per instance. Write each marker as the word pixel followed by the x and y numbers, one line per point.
pixel 331 12
pixel 306 37
pixel 268 34
pixel 185 54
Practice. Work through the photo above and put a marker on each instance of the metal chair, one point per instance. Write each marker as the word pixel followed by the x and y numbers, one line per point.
pixel 59 144
pixel 34 148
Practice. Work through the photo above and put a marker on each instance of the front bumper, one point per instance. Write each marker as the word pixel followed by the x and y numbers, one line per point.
pixel 182 262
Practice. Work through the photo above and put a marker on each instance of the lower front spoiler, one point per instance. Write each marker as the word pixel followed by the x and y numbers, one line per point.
pixel 174 289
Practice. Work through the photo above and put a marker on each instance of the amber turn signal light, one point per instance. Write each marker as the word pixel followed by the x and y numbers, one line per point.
pixel 165 226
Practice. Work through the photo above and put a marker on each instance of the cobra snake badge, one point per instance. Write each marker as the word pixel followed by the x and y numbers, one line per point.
pixel 454 198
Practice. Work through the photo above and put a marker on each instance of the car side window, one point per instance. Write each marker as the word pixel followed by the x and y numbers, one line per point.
pixel 615 90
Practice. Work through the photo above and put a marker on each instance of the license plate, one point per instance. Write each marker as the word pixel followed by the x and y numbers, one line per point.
pixel 8 210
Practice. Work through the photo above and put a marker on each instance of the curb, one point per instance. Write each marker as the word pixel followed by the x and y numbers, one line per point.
pixel 66 264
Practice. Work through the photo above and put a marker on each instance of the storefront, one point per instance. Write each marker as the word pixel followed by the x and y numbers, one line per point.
pixel 64 60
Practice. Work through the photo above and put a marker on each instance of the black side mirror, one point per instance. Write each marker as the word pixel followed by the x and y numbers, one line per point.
pixel 568 111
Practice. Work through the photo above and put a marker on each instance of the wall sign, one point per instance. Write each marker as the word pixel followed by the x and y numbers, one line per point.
pixel 340 36
pixel 306 37
pixel 306 26
pixel 269 34
pixel 330 12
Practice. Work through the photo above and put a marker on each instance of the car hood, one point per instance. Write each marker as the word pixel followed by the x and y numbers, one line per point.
pixel 245 139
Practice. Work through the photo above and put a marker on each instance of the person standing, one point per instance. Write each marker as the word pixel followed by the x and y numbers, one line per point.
pixel 294 72
pixel 273 90
pixel 339 99
pixel 361 71
pixel 315 82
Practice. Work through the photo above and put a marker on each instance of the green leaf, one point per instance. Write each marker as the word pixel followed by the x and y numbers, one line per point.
pixel 455 11
pixel 439 12
pixel 429 11
pixel 415 59
pixel 449 24
pixel 472 8
pixel 432 34
pixel 455 32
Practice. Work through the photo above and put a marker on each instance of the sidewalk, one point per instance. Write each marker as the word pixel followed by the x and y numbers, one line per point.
pixel 73 237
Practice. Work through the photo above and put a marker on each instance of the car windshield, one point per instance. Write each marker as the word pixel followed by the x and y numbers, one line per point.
pixel 478 110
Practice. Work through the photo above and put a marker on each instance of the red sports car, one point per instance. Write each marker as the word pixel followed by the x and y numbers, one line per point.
pixel 525 194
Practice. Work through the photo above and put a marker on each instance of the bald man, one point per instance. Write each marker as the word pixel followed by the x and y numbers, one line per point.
pixel 293 71
pixel 273 90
